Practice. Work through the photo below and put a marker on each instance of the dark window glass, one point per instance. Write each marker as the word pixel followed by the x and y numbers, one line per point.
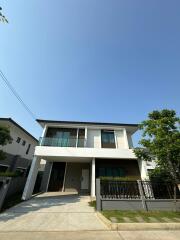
pixel 62 137
pixel 81 136
pixel 107 139
pixel 18 140
pixel 27 151
pixel 21 171
pixel 24 143
pixel 3 168
pixel 111 172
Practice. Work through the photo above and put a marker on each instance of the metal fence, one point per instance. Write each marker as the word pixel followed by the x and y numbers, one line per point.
pixel 119 189
pixel 132 190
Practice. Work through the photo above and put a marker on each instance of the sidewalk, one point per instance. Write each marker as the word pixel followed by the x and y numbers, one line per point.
pixel 92 235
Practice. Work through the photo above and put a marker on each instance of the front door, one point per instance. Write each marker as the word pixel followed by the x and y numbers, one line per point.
pixel 85 179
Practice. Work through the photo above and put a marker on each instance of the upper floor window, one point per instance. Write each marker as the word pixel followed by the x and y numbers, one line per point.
pixel 107 139
pixel 27 151
pixel 64 137
pixel 18 140
pixel 24 143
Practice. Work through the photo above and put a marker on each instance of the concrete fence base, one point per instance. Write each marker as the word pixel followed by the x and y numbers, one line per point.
pixel 10 186
pixel 134 204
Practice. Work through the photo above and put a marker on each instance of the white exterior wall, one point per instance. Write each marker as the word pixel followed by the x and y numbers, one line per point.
pixel 17 148
pixel 120 141
pixel 143 170
pixel 94 138
pixel 74 153
pixel 130 142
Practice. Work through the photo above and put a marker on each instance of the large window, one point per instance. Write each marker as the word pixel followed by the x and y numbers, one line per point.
pixel 65 137
pixel 110 172
pixel 107 139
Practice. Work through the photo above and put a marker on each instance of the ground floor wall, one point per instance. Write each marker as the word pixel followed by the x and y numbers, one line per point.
pixel 117 168
pixel 73 177
pixel 73 173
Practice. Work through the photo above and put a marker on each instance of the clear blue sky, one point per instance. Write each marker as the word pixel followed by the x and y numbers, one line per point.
pixel 89 60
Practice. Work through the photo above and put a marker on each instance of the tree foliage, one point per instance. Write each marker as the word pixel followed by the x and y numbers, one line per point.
pixel 2 17
pixel 5 138
pixel 161 141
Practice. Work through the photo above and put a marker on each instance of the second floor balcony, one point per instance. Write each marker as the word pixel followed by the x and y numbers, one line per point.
pixel 62 142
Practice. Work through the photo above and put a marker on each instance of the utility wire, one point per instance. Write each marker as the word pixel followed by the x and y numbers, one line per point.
pixel 11 88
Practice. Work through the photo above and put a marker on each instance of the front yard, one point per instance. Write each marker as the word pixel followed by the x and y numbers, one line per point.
pixel 141 216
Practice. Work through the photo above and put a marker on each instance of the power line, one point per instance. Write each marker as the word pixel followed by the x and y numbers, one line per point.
pixel 11 88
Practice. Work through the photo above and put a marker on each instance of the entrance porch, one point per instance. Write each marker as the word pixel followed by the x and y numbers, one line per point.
pixel 78 175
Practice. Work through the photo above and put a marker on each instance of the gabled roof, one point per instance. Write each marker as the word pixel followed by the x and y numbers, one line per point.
pixel 17 125
pixel 42 122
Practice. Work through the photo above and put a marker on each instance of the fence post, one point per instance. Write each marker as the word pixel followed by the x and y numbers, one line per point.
pixel 175 198
pixel 98 195
pixel 142 195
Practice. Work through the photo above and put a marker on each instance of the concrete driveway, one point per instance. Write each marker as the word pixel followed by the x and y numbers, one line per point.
pixel 51 212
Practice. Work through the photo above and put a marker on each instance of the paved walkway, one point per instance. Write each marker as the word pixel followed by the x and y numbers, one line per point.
pixel 92 235
pixel 52 212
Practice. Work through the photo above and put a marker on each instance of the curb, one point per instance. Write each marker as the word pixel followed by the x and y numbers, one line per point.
pixel 138 226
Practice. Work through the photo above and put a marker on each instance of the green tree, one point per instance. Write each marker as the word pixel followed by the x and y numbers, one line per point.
pixel 5 138
pixel 161 142
pixel 2 17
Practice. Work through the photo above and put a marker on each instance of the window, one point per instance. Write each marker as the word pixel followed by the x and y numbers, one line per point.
pixel 111 172
pixel 18 140
pixel 28 148
pixel 3 168
pixel 21 171
pixel 81 136
pixel 24 143
pixel 107 139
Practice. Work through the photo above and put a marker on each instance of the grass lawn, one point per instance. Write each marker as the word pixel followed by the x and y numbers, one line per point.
pixel 132 214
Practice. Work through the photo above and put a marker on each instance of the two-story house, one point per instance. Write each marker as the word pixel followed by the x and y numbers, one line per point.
pixel 76 153
pixel 19 153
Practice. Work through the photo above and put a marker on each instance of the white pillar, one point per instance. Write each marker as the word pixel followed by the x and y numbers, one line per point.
pixel 85 137
pixel 143 169
pixel 29 187
pixel 43 134
pixel 93 178
pixel 126 144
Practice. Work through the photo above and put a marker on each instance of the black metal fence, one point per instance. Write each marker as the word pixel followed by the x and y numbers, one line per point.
pixel 119 189
pixel 131 190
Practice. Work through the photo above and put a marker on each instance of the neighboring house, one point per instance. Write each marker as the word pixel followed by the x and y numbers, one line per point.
pixel 19 153
pixel 76 153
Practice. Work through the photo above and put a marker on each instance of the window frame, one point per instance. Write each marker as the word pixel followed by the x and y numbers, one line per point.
pixel 109 144
pixel 18 140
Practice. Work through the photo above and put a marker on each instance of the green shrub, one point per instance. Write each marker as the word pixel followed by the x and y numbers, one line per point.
pixel 9 174
pixel 132 178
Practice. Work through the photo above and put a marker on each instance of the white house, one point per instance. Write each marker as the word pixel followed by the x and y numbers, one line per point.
pixel 19 153
pixel 76 153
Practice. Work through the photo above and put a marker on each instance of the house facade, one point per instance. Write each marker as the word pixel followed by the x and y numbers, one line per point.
pixel 76 153
pixel 19 153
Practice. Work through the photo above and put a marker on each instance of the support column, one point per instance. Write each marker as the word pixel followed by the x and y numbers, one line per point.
pixel 143 169
pixel 85 137
pixel 93 178
pixel 126 144
pixel 29 187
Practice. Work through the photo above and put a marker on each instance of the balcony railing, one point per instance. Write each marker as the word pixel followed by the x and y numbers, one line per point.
pixel 62 142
